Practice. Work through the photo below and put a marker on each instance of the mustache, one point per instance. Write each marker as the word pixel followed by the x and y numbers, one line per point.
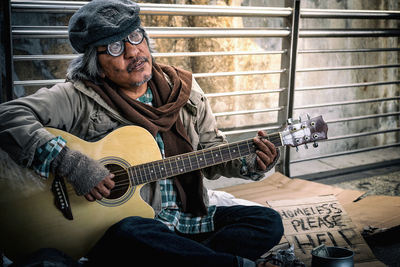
pixel 134 61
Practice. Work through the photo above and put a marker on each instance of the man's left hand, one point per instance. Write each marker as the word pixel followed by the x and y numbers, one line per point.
pixel 265 150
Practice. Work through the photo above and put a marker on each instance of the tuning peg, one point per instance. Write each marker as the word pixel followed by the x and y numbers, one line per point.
pixel 289 121
pixel 299 118
pixel 297 149
pixel 308 116
pixel 306 146
pixel 315 144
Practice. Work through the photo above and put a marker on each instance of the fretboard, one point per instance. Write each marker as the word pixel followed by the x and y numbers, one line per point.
pixel 196 160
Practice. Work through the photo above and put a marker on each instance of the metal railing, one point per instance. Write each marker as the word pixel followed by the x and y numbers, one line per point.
pixel 365 15
pixel 290 35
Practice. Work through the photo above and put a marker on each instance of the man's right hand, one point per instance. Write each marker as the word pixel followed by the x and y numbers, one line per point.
pixel 102 189
pixel 89 177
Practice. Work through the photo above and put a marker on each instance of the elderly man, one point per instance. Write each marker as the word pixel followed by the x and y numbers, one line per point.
pixel 114 83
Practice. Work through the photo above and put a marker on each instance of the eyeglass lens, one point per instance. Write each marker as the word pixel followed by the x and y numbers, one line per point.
pixel 117 48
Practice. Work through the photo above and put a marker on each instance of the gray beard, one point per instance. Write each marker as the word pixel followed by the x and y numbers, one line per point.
pixel 146 79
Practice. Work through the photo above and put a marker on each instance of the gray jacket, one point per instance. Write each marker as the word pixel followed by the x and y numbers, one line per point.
pixel 77 109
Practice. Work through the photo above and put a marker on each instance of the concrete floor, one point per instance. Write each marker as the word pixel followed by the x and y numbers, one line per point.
pixel 385 183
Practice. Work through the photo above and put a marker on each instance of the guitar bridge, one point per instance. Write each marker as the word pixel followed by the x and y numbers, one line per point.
pixel 61 199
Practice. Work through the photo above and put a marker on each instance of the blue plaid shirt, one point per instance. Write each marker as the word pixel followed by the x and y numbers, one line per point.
pixel 46 154
pixel 171 213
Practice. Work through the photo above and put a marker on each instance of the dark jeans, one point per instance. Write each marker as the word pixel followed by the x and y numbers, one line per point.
pixel 244 231
pixel 240 231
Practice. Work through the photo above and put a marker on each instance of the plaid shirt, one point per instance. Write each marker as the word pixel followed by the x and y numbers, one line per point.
pixel 171 214
pixel 46 154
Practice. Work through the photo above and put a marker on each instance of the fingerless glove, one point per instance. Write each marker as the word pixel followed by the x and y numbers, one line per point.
pixel 78 169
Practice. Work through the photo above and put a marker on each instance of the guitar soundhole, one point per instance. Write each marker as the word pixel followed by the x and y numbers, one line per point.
pixel 120 179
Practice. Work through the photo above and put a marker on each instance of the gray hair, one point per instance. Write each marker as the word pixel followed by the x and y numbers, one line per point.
pixel 86 66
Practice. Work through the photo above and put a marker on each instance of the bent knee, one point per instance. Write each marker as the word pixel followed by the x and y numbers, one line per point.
pixel 277 224
pixel 132 224
pixel 274 221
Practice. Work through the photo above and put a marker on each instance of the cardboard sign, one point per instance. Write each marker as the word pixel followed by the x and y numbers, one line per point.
pixel 309 222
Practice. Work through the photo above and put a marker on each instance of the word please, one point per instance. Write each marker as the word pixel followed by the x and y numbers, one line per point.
pixel 308 223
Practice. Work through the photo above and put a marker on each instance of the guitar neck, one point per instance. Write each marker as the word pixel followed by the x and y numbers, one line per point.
pixel 196 160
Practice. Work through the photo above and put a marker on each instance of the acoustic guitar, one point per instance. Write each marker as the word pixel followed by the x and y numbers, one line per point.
pixel 54 216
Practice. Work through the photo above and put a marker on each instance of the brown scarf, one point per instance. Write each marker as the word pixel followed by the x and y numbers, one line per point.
pixel 163 117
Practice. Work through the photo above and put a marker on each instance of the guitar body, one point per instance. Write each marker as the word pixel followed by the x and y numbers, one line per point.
pixel 30 220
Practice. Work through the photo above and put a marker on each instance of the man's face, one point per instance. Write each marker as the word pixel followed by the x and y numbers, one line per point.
pixel 129 70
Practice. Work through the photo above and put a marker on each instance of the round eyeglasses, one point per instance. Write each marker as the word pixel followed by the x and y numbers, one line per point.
pixel 117 48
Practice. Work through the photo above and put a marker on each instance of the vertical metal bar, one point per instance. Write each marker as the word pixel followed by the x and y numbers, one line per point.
pixel 7 85
pixel 287 80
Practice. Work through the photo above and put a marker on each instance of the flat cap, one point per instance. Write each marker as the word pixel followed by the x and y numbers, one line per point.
pixel 102 22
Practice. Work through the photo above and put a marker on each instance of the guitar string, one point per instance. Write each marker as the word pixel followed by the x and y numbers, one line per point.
pixel 182 155
pixel 120 185
pixel 175 170
pixel 149 169
pixel 274 137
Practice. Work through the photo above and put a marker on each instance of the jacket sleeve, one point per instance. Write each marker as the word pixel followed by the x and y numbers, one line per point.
pixel 23 121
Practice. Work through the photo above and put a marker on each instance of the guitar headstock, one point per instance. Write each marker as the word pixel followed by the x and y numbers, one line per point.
pixel 304 132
